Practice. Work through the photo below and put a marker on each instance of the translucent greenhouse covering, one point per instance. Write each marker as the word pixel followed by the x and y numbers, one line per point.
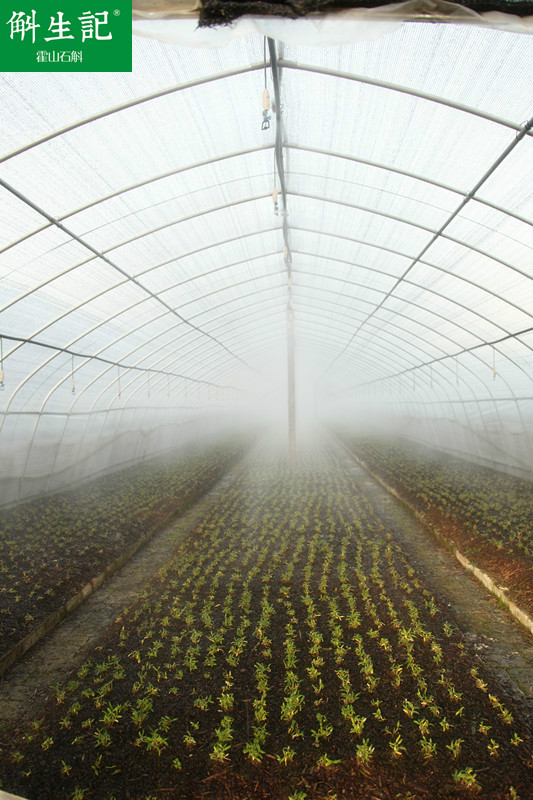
pixel 158 231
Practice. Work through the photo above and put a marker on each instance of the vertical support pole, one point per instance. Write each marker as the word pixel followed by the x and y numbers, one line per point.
pixel 290 385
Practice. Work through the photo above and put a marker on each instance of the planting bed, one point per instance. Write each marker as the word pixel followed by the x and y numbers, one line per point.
pixel 288 650
pixel 52 546
pixel 487 515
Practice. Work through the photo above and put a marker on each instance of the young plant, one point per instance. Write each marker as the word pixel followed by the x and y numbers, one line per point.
pixel 364 751
pixel 466 777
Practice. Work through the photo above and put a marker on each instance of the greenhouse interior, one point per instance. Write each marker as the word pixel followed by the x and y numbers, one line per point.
pixel 266 334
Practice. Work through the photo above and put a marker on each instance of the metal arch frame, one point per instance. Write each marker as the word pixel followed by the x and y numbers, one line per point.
pixel 394 87
pixel 477 376
pixel 314 255
pixel 268 288
pixel 276 309
pixel 282 64
pixel 263 148
pixel 103 256
pixel 370 269
pixel 524 130
pixel 254 198
pixel 135 102
pixel 380 333
pixel 452 300
pixel 418 322
pixel 135 279
pixel 244 297
pixel 97 356
pixel 87 357
pixel 332 179
pixel 97 412
pixel 404 330
pixel 327 233
pixel 258 232
pixel 122 310
pixel 159 377
pixel 401 220
pixel 383 346
pixel 365 243
pixel 443 270
pixel 89 415
pixel 257 175
pixel 127 367
pixel 515 336
pixel 100 294
pixel 152 268
pixel 372 212
pixel 380 342
pixel 120 192
pixel 108 410
pixel 406 174
pixel 111 344
pixel 429 402
pixel 90 412
pixel 175 354
pixel 442 376
pixel 409 302
pixel 429 311
pixel 97 397
pixel 53 221
pixel 519 413
pixel 143 380
pixel 179 335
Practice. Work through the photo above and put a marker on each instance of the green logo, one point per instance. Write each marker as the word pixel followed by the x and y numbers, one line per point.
pixel 59 36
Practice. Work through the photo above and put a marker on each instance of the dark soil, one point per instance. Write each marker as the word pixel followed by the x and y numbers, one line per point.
pixel 52 546
pixel 292 577
pixel 486 515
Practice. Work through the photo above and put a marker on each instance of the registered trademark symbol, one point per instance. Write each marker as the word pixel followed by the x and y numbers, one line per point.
pixel 116 12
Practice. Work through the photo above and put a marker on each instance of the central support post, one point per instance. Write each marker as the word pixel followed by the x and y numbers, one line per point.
pixel 287 256
pixel 291 385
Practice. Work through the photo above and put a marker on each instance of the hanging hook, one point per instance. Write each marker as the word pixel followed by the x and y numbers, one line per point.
pixel 265 125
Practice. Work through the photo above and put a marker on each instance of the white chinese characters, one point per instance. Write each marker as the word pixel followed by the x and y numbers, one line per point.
pixel 22 23
pixel 90 26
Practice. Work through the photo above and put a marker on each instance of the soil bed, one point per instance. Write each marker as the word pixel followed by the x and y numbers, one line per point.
pixel 52 546
pixel 288 650
pixel 486 514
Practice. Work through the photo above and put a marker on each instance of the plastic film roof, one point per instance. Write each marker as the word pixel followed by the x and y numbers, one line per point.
pixel 142 259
